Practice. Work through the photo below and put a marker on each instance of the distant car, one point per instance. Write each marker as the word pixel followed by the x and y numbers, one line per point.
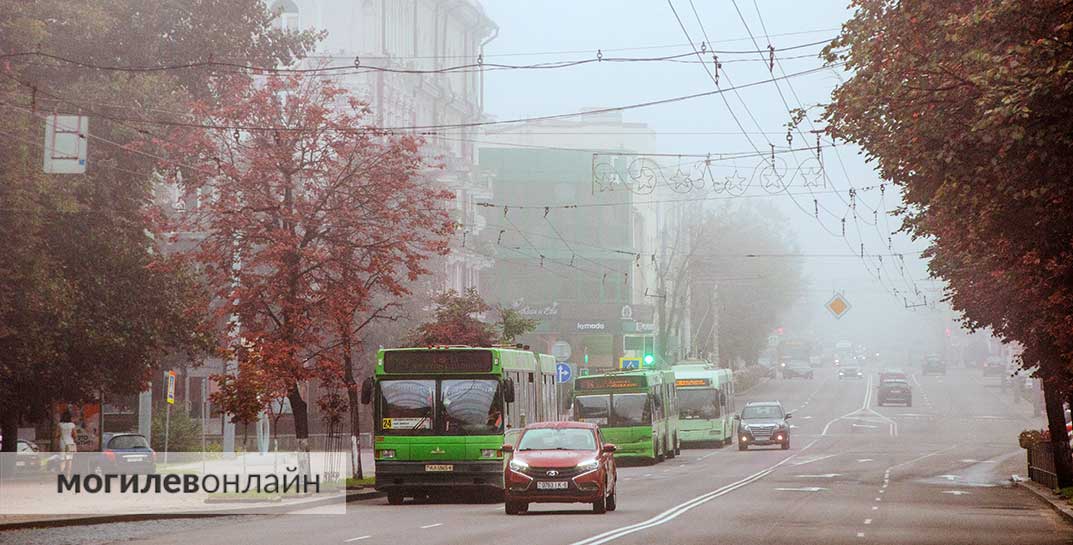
pixel 891 374
pixel 560 462
pixel 994 367
pixel 933 365
pixel 126 453
pixel 895 391
pixel 815 361
pixel 763 423
pixel 850 371
pixel 798 369
pixel 27 456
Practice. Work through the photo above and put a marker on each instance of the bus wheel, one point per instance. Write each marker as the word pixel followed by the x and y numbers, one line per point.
pixel 394 499
pixel 670 452
pixel 677 446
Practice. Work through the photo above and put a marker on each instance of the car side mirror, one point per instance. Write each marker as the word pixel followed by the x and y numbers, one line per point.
pixel 788 415
pixel 737 417
pixel 508 391
pixel 609 448
pixel 367 391
pixel 507 448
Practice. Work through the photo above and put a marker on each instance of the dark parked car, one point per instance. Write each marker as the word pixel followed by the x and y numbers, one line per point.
pixel 850 371
pixel 126 453
pixel 763 423
pixel 560 462
pixel 895 391
pixel 798 369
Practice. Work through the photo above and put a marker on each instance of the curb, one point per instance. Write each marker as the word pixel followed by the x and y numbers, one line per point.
pixel 109 519
pixel 1047 496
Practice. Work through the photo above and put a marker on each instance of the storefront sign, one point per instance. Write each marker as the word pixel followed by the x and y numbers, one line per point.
pixel 591 326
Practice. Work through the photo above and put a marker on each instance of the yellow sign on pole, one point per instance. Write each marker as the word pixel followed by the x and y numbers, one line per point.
pixel 171 387
pixel 838 306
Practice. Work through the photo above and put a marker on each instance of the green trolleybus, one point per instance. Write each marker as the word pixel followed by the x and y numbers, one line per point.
pixel 705 403
pixel 441 412
pixel 636 410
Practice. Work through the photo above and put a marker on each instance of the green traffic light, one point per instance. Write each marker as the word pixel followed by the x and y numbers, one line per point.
pixel 649 359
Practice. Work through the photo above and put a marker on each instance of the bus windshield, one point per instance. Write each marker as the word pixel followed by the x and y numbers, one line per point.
pixel 631 410
pixel 406 405
pixel 593 409
pixel 698 403
pixel 471 406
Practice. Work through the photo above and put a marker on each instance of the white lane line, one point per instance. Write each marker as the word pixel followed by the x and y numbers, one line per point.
pixel 879 499
pixel 359 538
pixel 814 459
pixel 868 521
pixel 427 526
pixel 860 534
pixel 875 508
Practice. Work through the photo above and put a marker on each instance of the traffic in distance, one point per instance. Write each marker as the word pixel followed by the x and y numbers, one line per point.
pixel 495 421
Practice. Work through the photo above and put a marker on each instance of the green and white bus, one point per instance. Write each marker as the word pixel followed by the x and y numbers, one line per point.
pixel 636 410
pixel 705 403
pixel 440 414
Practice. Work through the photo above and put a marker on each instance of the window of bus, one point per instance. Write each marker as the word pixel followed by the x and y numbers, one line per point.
pixel 631 409
pixel 698 403
pixel 471 406
pixel 406 406
pixel 594 409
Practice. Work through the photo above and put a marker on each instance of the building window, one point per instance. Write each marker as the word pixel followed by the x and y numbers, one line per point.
pixel 286 13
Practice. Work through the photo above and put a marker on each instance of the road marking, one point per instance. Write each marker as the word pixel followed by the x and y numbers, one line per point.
pixel 860 534
pixel 821 476
pixel 882 490
pixel 868 521
pixel 875 508
pixel 956 492
pixel 359 538
pixel 647 475
pixel 688 505
pixel 803 489
pixel 806 418
pixel 427 526
pixel 949 477
pixel 879 499
pixel 811 459
pixel 855 425
pixel 968 461
pixel 863 460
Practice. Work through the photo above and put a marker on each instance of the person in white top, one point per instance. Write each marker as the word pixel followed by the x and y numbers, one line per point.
pixel 67 441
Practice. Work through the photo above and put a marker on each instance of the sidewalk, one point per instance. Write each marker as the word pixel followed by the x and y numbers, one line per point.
pixel 1059 504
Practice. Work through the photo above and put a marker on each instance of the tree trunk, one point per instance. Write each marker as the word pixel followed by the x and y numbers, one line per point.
pixel 301 417
pixel 1056 423
pixel 9 428
pixel 353 403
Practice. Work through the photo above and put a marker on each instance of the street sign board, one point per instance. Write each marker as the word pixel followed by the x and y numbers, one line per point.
pixel 561 350
pixel 65 144
pixel 838 306
pixel 169 380
pixel 563 372
pixel 629 363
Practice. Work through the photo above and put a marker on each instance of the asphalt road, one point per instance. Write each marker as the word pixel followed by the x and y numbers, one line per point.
pixel 937 472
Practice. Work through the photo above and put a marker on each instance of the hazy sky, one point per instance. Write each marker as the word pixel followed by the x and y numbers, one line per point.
pixel 557 30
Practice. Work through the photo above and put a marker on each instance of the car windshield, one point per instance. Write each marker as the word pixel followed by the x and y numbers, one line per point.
pixel 761 411
pixel 406 405
pixel 558 439
pixel 471 406
pixel 699 403
pixel 120 442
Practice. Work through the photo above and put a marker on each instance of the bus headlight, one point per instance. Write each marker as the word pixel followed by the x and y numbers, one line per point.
pixel 387 453
pixel 489 453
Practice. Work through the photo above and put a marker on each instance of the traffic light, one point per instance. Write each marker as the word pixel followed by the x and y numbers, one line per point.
pixel 649 360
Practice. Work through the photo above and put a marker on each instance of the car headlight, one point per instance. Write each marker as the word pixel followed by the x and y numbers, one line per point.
pixel 518 465
pixel 387 453
pixel 588 465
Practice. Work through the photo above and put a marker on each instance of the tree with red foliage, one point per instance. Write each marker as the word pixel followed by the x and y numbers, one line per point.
pixel 301 213
pixel 455 321
pixel 968 108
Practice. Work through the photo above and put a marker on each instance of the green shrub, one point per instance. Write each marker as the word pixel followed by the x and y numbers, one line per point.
pixel 184 432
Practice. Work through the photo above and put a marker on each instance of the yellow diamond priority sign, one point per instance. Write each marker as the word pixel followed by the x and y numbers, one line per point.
pixel 838 305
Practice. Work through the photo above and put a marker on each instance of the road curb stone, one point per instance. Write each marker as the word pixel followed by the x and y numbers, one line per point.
pixel 1048 496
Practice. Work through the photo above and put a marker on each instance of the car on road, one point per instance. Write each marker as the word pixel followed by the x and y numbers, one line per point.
pixel 891 374
pixel 933 365
pixel 560 462
pixel 815 361
pixel 895 390
pixel 763 423
pixel 126 453
pixel 850 371
pixel 798 369
pixel 994 367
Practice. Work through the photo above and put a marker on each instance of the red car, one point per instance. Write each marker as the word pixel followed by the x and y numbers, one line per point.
pixel 560 462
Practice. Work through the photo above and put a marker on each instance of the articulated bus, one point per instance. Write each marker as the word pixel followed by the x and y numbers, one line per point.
pixel 636 410
pixel 705 403
pixel 440 414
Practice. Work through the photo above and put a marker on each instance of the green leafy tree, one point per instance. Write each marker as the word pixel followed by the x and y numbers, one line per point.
pixel 184 431
pixel 512 324
pixel 966 107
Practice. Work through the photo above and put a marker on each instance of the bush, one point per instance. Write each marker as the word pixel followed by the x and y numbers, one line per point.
pixel 184 432
pixel 748 377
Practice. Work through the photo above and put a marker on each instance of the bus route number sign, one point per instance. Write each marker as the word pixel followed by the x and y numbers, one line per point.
pixel 686 382
pixel 600 383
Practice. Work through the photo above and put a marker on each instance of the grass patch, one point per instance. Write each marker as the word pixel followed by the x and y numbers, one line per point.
pixel 357 483
pixel 1066 492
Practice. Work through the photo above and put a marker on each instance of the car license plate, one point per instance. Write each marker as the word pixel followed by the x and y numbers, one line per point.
pixel 134 458
pixel 439 467
pixel 552 485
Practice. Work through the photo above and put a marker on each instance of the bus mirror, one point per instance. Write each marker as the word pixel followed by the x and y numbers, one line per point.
pixel 508 391
pixel 507 448
pixel 367 391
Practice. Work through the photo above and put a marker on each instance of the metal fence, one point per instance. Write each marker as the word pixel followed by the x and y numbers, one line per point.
pixel 1041 464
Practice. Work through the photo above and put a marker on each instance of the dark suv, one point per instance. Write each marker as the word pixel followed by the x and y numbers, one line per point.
pixel 932 364
pixel 763 423
pixel 895 390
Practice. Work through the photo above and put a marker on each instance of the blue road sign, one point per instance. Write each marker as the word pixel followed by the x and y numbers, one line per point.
pixel 563 371
pixel 629 363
